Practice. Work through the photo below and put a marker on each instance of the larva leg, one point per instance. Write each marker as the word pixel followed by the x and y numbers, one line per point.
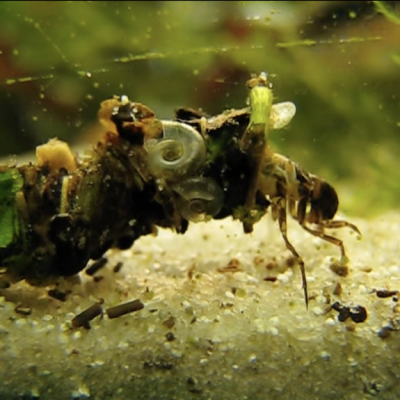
pixel 331 239
pixel 328 238
pixel 340 224
pixel 281 211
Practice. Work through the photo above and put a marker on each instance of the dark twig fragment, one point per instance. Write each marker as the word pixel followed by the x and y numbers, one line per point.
pixel 96 266
pixel 86 316
pixel 124 308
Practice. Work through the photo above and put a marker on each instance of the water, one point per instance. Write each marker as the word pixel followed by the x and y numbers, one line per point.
pixel 233 334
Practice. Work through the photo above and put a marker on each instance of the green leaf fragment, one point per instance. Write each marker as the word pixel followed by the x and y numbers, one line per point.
pixel 260 105
pixel 6 226
pixel 11 183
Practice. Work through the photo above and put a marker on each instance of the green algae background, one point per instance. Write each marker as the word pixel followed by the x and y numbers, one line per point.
pixel 337 61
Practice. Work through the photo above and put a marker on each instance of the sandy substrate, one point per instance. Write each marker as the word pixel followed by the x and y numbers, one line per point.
pixel 213 326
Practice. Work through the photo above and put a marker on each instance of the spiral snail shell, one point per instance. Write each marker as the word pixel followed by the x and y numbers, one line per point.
pixel 178 154
pixel 199 198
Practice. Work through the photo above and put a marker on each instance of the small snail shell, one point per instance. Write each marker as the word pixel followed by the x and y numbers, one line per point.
pixel 179 153
pixel 198 198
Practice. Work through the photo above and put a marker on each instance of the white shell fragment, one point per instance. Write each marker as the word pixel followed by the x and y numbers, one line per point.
pixel 282 114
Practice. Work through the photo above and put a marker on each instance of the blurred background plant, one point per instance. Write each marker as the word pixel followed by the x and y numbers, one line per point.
pixel 338 61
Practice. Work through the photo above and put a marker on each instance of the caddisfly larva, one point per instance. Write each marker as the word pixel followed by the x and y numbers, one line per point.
pixel 61 212
pixel 310 200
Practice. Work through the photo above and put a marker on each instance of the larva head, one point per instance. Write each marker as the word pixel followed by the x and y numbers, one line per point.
pixel 324 201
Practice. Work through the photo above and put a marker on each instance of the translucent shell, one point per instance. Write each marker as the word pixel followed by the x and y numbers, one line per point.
pixel 178 154
pixel 281 114
pixel 199 198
